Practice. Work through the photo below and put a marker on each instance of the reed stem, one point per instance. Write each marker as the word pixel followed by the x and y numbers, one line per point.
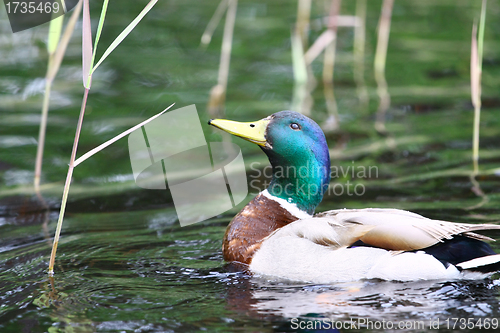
pixel 88 68
pixel 359 54
pixel 476 73
pixel 41 134
pixel 329 67
pixel 56 48
pixel 384 30
pixel 206 38
pixel 303 17
pixel 67 184
pixel 227 43
pixel 218 92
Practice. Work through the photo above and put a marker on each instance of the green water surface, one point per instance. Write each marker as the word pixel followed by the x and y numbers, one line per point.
pixel 124 263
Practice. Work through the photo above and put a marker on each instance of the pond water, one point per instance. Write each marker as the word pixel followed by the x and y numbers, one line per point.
pixel 124 263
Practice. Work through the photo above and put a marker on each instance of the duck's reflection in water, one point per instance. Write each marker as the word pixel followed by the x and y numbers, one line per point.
pixel 423 302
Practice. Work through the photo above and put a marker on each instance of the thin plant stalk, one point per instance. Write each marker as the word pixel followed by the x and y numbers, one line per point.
pixel 67 184
pixel 102 18
pixel 123 34
pixel 73 163
pixel 206 38
pixel 87 70
pixel 480 42
pixel 54 35
pixel 56 49
pixel 476 73
pixel 328 36
pixel 329 55
pixel 87 79
pixel 319 46
pixel 384 30
pixel 476 98
pixel 41 134
pixel 218 92
pixel 329 67
pixel 227 43
pixel 303 87
pixel 302 100
pixel 63 44
pixel 97 149
pixel 87 53
pixel 359 54
pixel 476 60
pixel 303 17
pixel 298 59
pixel 305 82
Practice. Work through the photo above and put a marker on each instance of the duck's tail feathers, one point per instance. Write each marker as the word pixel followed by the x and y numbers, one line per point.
pixel 486 264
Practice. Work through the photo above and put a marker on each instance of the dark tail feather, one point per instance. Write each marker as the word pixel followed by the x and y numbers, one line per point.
pixel 467 254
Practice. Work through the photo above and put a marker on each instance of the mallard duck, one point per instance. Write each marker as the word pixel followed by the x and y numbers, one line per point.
pixel 277 236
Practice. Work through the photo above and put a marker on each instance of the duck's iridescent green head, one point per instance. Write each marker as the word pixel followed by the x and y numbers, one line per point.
pixel 297 150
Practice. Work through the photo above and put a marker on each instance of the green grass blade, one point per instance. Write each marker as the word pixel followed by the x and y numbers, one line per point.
pixel 118 137
pixel 63 44
pixel 55 29
pixel 99 29
pixel 86 45
pixel 475 82
pixel 482 22
pixel 125 32
pixel 474 68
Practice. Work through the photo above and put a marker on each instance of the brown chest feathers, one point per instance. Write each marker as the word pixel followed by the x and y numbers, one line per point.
pixel 249 227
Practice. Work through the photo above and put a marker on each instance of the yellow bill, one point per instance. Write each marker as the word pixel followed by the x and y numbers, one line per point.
pixel 253 131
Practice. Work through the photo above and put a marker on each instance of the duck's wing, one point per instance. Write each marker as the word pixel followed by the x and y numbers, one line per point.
pixel 399 230
pixel 324 231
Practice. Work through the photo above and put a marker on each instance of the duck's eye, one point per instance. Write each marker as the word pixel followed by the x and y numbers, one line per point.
pixel 295 126
pixel 252 125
